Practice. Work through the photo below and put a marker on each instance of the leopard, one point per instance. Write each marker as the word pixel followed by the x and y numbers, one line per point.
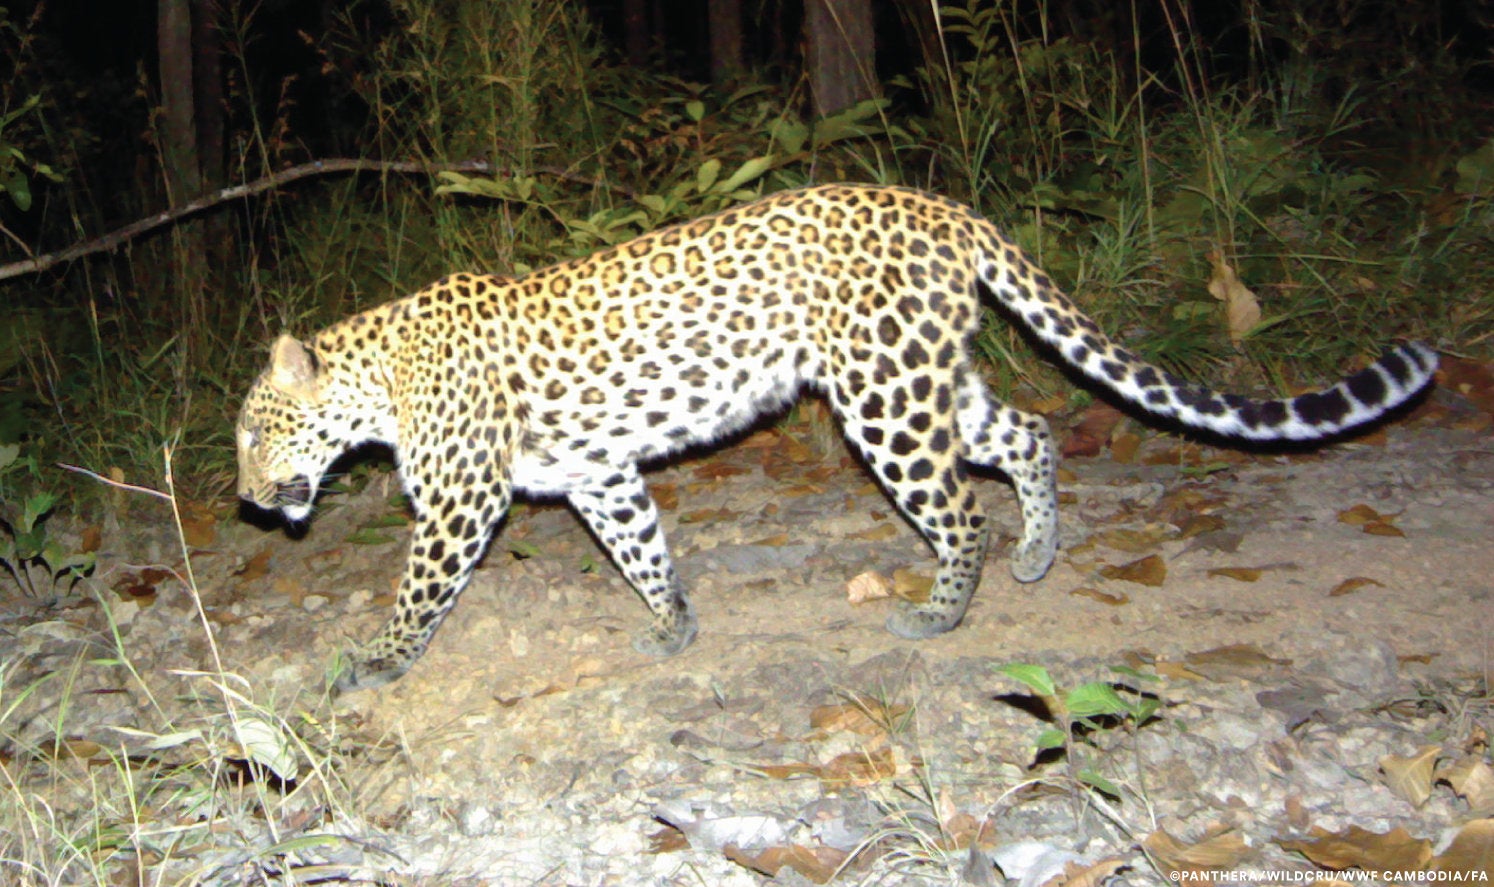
pixel 569 380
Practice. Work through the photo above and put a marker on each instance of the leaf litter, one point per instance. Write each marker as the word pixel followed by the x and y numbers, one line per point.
pixel 797 737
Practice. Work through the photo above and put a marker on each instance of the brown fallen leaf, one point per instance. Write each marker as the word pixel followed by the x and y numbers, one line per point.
pixel 1242 309
pixel 1233 661
pixel 868 586
pixel 1080 875
pixel 1472 851
pixel 1359 848
pixel 1371 521
pixel 879 533
pixel 256 567
pixel 1220 848
pixel 859 768
pixel 1123 447
pixel 818 864
pixel 1470 378
pixel 1239 574
pixel 867 719
pixel 666 496
pixel 199 528
pixel 1092 432
pixel 1352 584
pixel 716 469
pixel 1142 541
pixel 1150 570
pixel 777 540
pixel 911 586
pixel 1472 780
pixel 1113 600
pixel 667 840
pixel 1410 777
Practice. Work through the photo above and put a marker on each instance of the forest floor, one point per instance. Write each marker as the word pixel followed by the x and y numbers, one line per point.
pixel 1320 627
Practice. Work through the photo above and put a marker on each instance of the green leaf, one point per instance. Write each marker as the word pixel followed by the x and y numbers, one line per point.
pixel 8 455
pixel 706 176
pixel 35 509
pixel 1135 674
pixel 523 550
pixel 1095 698
pixel 747 172
pixel 266 744
pixel 695 110
pixel 1051 737
pixel 1094 780
pixel 20 190
pixel 1034 676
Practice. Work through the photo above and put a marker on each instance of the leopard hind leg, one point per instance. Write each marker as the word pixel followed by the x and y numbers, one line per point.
pixel 1020 445
pixel 910 442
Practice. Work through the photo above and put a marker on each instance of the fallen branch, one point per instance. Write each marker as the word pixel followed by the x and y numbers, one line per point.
pixel 274 180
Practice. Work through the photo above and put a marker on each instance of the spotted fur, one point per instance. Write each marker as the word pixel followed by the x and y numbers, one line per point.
pixel 560 382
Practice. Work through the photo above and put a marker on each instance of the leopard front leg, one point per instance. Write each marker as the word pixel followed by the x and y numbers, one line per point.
pixel 449 539
pixel 621 514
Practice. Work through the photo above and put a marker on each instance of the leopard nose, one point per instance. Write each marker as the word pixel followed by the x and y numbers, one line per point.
pixel 294 493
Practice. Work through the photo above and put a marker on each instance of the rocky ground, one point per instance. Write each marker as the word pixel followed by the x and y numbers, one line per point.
pixel 1300 646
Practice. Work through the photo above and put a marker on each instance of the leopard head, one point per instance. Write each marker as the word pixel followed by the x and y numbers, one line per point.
pixel 284 441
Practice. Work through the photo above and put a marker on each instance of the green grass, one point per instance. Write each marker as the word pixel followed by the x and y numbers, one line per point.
pixel 1122 180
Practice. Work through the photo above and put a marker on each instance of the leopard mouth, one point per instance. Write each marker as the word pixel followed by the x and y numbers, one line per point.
pixel 294 494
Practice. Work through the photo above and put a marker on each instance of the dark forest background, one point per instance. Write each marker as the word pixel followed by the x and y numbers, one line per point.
pixel 1333 159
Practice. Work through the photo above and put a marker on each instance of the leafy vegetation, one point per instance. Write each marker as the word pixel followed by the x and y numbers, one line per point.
pixel 1137 159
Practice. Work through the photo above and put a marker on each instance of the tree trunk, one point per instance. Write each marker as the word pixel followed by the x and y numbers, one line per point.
pixel 178 129
pixel 724 18
pixel 636 33
pixel 842 53
pixel 207 92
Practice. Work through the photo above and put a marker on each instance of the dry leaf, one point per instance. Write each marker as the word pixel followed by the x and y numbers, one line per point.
pixel 1411 777
pixel 1221 847
pixel 1371 521
pixel 1150 570
pixel 1352 584
pixel 716 469
pixel 1123 447
pixel 1359 515
pixel 199 529
pixel 1239 574
pixel 868 586
pixel 911 586
pixel 1092 875
pixel 880 533
pixel 818 864
pixel 667 840
pixel 1471 851
pixel 1355 847
pixel 1472 780
pixel 1243 661
pixel 1242 309
pixel 256 567
pixel 1472 379
pixel 1134 541
pixel 777 540
pixel 666 496
pixel 1092 432
pixel 867 719
pixel 859 768
pixel 1113 600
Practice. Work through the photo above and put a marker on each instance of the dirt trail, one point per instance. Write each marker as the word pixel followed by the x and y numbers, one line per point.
pixel 1287 600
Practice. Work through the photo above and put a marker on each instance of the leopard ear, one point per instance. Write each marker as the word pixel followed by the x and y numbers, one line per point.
pixel 293 368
